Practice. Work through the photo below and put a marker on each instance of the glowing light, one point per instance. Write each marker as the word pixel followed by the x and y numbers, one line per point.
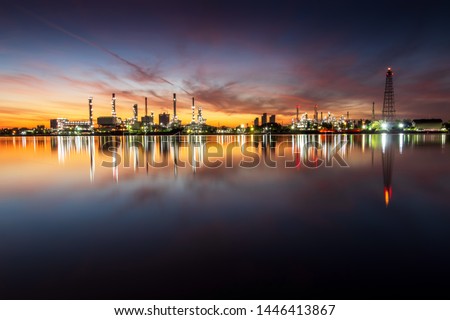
pixel 401 138
pixel 384 126
pixel 387 195
pixel 383 142
pixel 401 125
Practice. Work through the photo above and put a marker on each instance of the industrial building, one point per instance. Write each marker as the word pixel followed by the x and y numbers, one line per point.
pixel 272 119
pixel 198 123
pixel 63 125
pixel 103 122
pixel 264 119
pixel 427 124
pixel 164 119
pixel 112 121
pixel 148 120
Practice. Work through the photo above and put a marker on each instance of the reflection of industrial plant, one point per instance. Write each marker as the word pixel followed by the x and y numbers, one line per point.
pixel 152 154
pixel 149 153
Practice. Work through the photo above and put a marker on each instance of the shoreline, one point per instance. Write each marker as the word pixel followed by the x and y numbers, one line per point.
pixel 221 134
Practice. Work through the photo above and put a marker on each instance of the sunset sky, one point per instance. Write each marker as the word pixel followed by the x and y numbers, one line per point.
pixel 237 58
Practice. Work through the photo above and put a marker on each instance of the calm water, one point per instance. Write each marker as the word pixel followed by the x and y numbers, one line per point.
pixel 173 217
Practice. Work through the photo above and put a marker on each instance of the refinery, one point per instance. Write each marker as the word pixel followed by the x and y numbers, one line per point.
pixel 165 123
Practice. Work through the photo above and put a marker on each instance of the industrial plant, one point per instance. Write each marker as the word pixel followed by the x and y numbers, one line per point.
pixel 147 124
pixel 165 123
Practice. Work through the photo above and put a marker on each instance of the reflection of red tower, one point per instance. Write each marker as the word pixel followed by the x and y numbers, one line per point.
pixel 387 157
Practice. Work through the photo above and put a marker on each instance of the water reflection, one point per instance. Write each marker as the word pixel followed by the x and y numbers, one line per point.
pixel 387 158
pixel 198 154
pixel 99 217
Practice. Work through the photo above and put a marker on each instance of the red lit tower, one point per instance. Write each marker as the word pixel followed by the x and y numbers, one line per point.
pixel 389 102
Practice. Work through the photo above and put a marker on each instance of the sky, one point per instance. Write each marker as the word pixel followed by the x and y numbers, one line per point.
pixel 238 59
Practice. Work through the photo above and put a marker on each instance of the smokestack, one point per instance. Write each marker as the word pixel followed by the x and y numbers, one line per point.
pixel 193 110
pixel 348 115
pixel 135 112
pixel 145 106
pixel 199 116
pixel 321 116
pixel 113 105
pixel 90 112
pixel 174 105
pixel 373 111
pixel 297 113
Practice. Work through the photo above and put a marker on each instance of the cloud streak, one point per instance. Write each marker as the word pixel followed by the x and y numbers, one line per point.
pixel 142 73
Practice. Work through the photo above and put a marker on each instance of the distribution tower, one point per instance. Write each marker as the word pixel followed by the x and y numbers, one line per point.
pixel 389 102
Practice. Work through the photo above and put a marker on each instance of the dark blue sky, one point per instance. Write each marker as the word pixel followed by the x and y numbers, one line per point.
pixel 239 59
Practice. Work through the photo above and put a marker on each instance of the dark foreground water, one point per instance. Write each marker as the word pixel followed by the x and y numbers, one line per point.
pixel 269 217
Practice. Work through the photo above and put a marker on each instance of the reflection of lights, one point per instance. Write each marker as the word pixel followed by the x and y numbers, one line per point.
pixel 91 150
pixel 115 168
pixel 383 141
pixel 387 195
pixel 363 142
pixel 61 150
pixel 401 138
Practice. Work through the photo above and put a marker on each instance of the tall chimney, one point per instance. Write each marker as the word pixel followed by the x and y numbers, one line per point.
pixel 174 105
pixel 373 111
pixel 90 112
pixel 135 112
pixel 145 106
pixel 193 110
pixel 113 105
